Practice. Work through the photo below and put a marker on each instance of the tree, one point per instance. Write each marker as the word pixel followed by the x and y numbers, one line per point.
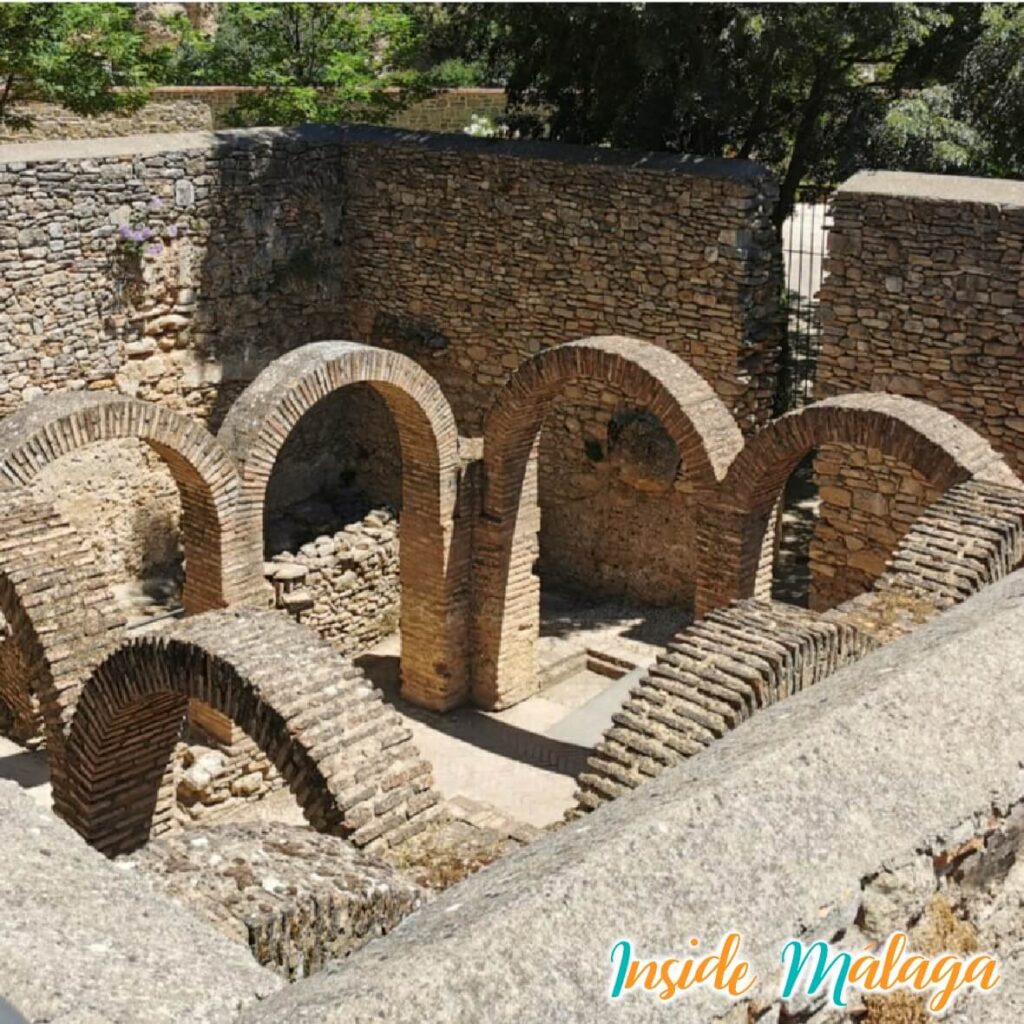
pixel 87 57
pixel 310 62
pixel 799 86
pixel 990 87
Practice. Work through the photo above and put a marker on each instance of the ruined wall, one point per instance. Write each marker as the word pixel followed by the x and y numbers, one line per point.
pixel 244 263
pixel 472 255
pixel 924 297
pixel 469 255
pixel 352 579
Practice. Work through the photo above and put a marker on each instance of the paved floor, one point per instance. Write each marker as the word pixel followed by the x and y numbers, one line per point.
pixel 523 761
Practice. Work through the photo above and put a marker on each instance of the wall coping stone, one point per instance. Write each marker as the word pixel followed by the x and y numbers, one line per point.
pixel 939 187
pixel 242 138
pixel 772 831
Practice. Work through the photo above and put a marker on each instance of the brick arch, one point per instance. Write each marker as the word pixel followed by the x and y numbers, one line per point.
pixel 433 545
pixel 346 756
pixel 734 552
pixel 506 592
pixel 220 569
pixel 62 617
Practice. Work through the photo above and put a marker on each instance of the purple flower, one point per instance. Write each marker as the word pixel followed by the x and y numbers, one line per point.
pixel 146 234
pixel 124 231
pixel 135 235
pixel 155 249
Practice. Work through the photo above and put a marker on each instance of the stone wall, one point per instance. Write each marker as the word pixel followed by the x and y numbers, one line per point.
pixel 190 108
pixel 868 501
pixel 249 266
pixel 352 582
pixel 472 255
pixel 923 297
pixel 161 114
pixel 295 898
pixel 469 255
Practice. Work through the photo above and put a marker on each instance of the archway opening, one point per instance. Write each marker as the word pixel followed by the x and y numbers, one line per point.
pixel 616 563
pixel 646 389
pixel 794 531
pixel 331 526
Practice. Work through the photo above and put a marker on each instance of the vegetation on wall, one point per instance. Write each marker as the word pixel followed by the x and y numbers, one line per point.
pixel 814 90
pixel 313 62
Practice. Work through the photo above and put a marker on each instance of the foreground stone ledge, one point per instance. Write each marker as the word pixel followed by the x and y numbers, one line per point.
pixel 83 942
pixel 775 831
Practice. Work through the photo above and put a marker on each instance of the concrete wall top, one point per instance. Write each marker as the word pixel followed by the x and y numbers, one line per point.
pixel 944 188
pixel 147 145
pixel 774 832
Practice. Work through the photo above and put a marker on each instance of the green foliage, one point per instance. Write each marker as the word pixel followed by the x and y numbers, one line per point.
pixel 990 87
pixel 311 62
pixel 74 55
pixel 922 132
pixel 814 90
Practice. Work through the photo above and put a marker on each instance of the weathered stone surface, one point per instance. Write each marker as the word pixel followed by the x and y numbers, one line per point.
pixel 828 778
pixel 273 238
pixel 735 540
pixel 83 942
pixel 355 599
pixel 293 897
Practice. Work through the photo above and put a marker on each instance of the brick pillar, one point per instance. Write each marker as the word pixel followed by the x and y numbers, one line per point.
pixel 434 573
pixel 506 600
pixel 733 548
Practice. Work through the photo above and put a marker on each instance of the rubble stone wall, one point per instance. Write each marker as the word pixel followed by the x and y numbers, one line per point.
pixel 923 297
pixel 52 121
pixel 352 578
pixel 473 255
pixel 468 255
pixel 189 108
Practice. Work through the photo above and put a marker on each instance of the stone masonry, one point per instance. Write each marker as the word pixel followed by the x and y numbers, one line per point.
pixel 189 108
pixel 272 238
pixel 923 297
pixel 161 114
pixel 736 660
pixel 471 256
pixel 295 898
pixel 352 581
